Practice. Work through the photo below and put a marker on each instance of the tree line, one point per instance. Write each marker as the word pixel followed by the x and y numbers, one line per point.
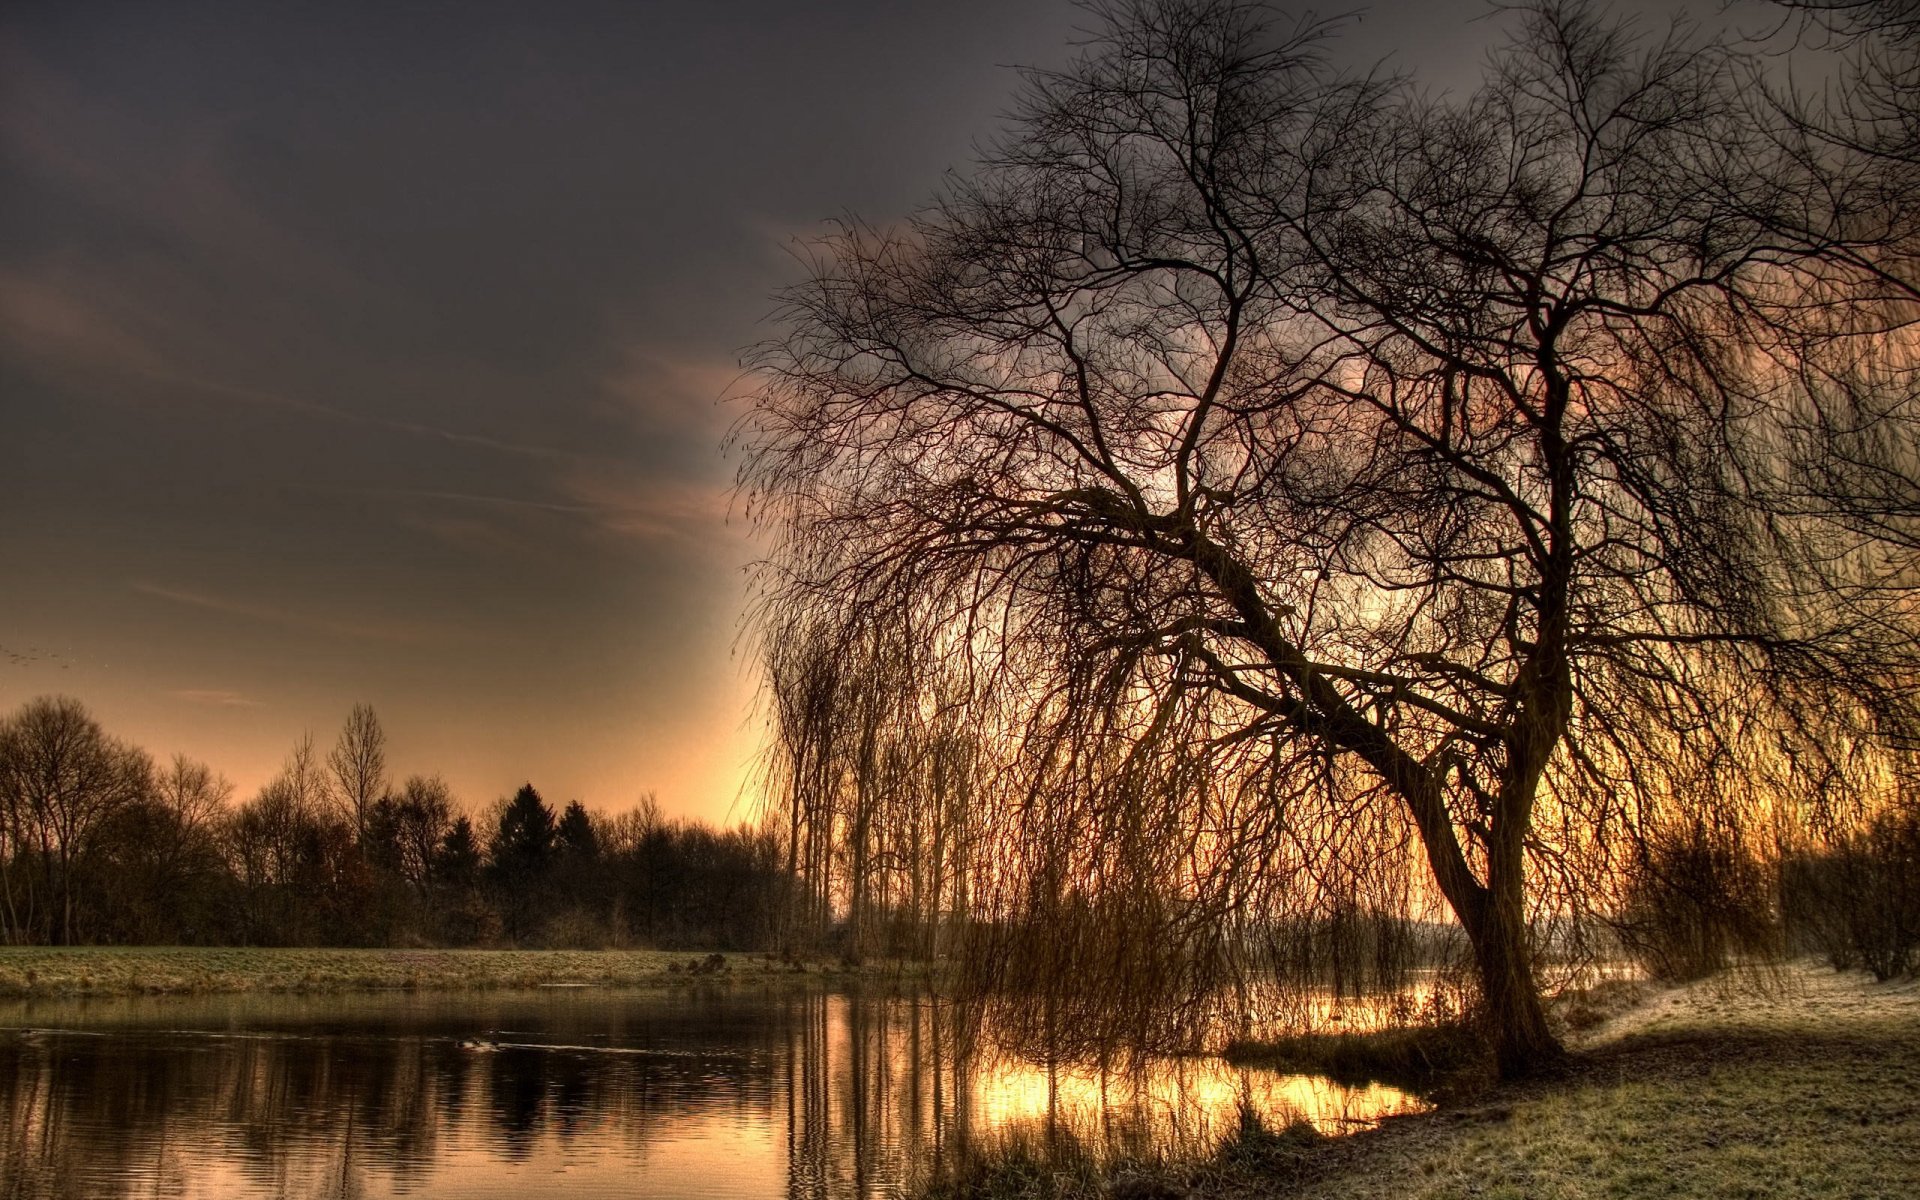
pixel 101 845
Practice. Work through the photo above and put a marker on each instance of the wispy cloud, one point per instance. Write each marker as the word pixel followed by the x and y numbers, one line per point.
pixel 58 322
pixel 333 412
pixel 167 319
pixel 596 498
pixel 649 508
pixel 293 619
pixel 173 177
pixel 664 392
pixel 481 500
pixel 215 698
pixel 60 325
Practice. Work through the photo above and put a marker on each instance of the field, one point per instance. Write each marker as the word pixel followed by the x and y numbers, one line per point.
pixel 146 970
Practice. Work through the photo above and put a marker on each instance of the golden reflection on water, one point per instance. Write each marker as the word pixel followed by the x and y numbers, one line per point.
pixel 725 1095
pixel 1188 1104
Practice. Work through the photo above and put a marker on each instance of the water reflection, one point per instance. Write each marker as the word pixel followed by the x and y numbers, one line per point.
pixel 817 1096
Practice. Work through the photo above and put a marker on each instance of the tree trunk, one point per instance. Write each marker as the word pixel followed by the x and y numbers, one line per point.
pixel 1493 915
pixel 1523 1045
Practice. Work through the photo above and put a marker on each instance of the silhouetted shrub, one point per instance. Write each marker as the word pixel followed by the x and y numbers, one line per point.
pixel 1698 899
pixel 1858 902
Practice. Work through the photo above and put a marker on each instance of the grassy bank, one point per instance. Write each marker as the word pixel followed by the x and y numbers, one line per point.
pixel 32 971
pixel 1801 1085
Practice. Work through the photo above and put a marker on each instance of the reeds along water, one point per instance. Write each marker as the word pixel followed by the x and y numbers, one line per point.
pixel 821 1096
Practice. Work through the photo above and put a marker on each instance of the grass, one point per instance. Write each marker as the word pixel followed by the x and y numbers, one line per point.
pixel 34 971
pixel 1022 1164
pixel 1802 1084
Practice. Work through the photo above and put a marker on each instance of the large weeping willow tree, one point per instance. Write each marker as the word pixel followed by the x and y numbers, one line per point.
pixel 1259 496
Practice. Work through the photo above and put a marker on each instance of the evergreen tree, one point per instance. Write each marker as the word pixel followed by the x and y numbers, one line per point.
pixel 457 865
pixel 578 840
pixel 461 912
pixel 522 863
pixel 581 874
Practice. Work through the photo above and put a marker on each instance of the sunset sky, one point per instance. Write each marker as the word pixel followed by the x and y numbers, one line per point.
pixel 369 352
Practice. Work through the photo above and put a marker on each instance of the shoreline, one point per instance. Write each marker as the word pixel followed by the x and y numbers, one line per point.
pixel 1792 1082
pixel 43 972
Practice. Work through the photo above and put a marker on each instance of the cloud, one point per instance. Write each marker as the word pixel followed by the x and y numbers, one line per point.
pixel 285 618
pixel 491 525
pixel 482 500
pixel 171 177
pixel 216 698
pixel 335 413
pixel 665 393
pixel 650 507
pixel 59 323
pixel 595 497
pixel 56 323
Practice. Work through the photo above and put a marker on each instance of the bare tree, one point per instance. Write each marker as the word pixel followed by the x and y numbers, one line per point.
pixel 1869 105
pixel 874 766
pixel 1295 472
pixel 358 764
pixel 302 879
pixel 410 827
pixel 61 779
pixel 192 792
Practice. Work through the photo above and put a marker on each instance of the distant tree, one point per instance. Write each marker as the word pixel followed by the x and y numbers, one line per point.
pixel 62 779
pixel 625 843
pixel 521 859
pixel 686 884
pixel 299 876
pixel 581 880
pixel 192 791
pixel 457 862
pixel 358 764
pixel 575 837
pixel 157 873
pixel 300 781
pixel 460 912
pixel 399 846
pixel 410 828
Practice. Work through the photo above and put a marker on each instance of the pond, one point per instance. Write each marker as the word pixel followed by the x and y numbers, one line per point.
pixel 725 1093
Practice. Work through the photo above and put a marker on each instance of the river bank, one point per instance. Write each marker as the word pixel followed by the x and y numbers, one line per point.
pixel 39 971
pixel 1800 1083
pixel 1791 1084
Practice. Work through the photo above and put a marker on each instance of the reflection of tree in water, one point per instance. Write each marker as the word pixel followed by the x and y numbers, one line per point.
pixel 856 1097
pixel 896 1090
pixel 579 1093
pixel 354 1103
pixel 516 1095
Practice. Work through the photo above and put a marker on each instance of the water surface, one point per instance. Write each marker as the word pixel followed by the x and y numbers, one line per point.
pixel 728 1093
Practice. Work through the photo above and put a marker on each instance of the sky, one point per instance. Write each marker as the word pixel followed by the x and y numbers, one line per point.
pixel 384 353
